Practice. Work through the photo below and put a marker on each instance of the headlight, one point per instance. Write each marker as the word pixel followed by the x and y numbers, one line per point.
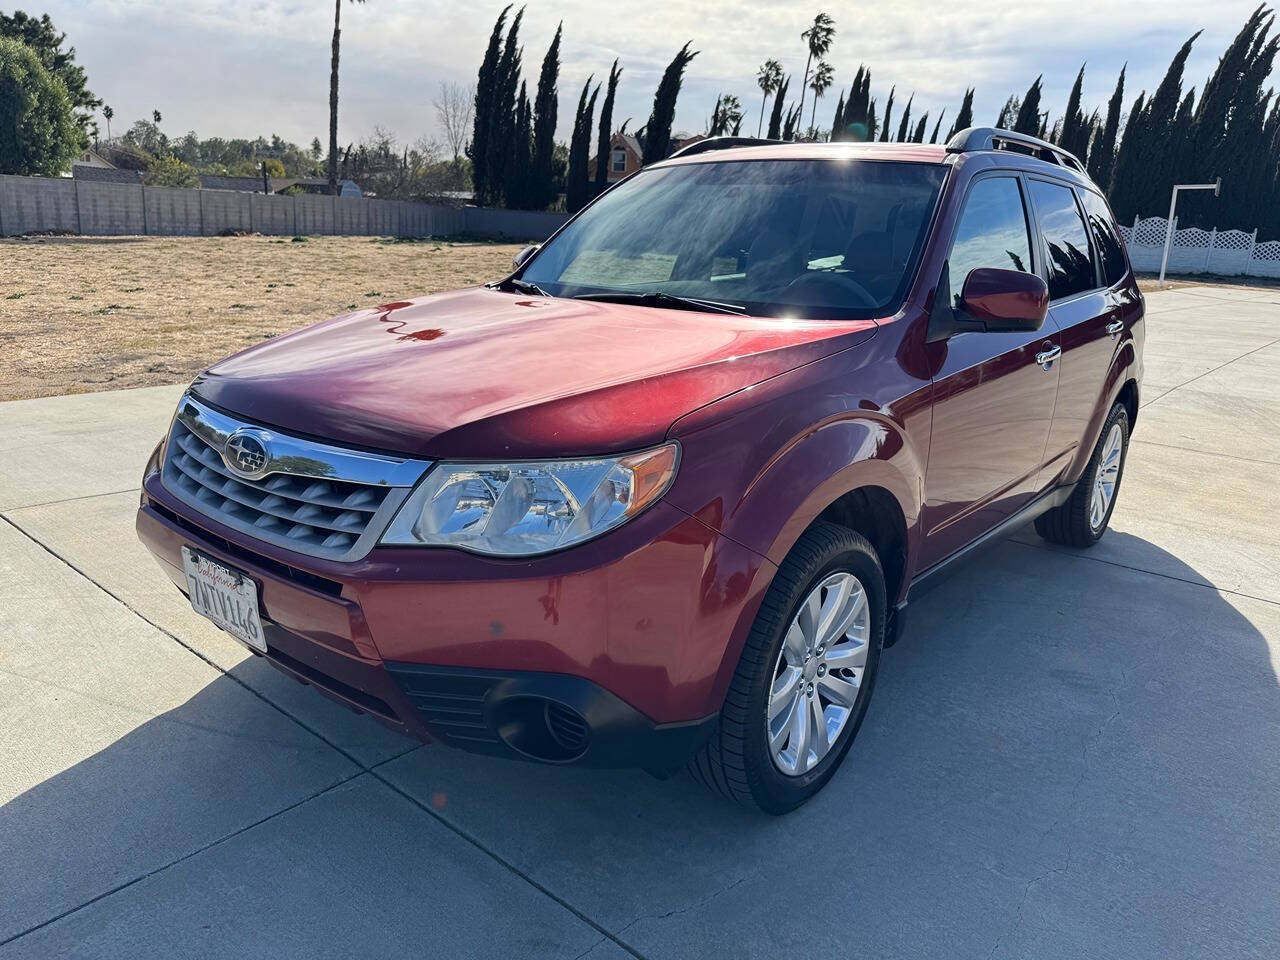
pixel 520 509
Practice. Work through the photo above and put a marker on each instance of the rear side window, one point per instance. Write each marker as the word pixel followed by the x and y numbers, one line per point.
pixel 992 232
pixel 1066 242
pixel 1106 236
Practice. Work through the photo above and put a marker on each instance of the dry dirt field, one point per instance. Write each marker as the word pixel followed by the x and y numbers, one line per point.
pixel 105 313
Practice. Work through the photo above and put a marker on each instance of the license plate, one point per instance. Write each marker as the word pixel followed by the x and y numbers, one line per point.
pixel 226 596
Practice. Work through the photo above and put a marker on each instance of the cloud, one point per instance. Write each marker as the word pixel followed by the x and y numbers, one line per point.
pixel 241 69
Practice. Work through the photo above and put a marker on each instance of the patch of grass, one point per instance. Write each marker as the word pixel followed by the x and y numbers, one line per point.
pixel 15 296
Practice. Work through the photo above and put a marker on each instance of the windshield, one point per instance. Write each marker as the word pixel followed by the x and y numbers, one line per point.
pixel 814 238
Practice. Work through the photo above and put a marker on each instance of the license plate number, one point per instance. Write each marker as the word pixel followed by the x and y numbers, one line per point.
pixel 226 596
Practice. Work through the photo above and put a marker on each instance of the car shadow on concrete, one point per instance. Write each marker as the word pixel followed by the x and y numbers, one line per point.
pixel 1063 758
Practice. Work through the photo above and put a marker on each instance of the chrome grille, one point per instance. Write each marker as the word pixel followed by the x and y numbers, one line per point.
pixel 322 512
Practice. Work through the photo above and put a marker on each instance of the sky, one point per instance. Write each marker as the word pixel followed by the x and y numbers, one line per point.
pixel 240 68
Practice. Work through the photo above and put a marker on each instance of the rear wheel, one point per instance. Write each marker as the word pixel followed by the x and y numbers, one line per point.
pixel 805 676
pixel 1083 519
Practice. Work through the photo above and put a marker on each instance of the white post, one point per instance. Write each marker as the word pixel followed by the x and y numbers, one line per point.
pixel 1208 255
pixel 1168 236
pixel 1253 245
pixel 1216 187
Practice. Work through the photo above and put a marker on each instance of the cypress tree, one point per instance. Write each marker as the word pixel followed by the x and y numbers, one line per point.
pixel 657 140
pixel 937 127
pixel 502 115
pixel 904 128
pixel 964 119
pixel 1102 157
pixel 918 136
pixel 888 116
pixel 606 134
pixel 1074 126
pixel 1028 119
pixel 871 120
pixel 1008 112
pixel 1127 155
pixel 837 122
pixel 790 124
pixel 478 149
pixel 542 190
pixel 775 116
pixel 520 181
pixel 576 182
pixel 854 118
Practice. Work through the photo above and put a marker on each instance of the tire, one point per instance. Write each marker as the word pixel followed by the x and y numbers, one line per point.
pixel 738 761
pixel 1072 524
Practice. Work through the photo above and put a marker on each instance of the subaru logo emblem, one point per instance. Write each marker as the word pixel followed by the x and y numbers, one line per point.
pixel 246 453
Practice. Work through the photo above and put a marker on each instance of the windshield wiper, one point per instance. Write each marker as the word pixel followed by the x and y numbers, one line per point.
pixel 669 300
pixel 519 286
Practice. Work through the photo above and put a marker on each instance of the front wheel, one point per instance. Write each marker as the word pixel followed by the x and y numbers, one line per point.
pixel 805 676
pixel 1083 519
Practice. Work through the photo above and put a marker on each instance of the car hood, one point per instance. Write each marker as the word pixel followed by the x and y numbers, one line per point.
pixel 478 373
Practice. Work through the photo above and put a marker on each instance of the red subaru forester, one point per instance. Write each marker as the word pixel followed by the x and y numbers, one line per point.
pixel 664 493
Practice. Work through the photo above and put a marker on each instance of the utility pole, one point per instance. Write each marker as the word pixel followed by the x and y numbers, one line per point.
pixel 1216 187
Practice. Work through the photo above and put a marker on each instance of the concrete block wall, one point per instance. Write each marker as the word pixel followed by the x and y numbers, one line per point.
pixel 351 216
pixel 271 214
pixel 36 203
pixel 315 214
pixel 112 209
pixel 224 210
pixel 92 208
pixel 513 224
pixel 170 211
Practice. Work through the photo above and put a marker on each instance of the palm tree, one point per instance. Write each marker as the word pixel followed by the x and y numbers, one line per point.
pixel 818 38
pixel 768 79
pixel 333 97
pixel 108 113
pixel 820 84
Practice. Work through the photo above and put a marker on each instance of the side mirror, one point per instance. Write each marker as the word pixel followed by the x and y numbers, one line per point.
pixel 1005 300
pixel 991 301
pixel 523 256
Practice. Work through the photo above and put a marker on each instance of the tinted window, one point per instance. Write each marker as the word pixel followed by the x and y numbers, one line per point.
pixel 1106 236
pixel 813 238
pixel 1065 240
pixel 992 232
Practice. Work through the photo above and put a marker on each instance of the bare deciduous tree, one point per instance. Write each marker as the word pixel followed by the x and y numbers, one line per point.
pixel 454 106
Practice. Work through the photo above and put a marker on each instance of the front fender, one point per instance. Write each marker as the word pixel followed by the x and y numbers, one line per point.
pixel 763 467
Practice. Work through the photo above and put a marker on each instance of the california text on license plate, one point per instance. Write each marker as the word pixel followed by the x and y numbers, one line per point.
pixel 226 596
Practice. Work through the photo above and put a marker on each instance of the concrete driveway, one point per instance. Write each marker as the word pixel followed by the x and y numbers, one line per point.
pixel 1070 754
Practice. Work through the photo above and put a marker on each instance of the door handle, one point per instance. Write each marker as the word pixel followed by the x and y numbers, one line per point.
pixel 1046 357
pixel 1114 328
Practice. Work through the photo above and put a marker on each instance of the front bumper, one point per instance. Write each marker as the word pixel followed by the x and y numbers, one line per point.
pixel 614 653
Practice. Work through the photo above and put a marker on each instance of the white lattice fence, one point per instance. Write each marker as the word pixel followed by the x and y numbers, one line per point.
pixel 1193 250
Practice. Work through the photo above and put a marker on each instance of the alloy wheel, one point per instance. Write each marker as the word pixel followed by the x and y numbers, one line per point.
pixel 1106 477
pixel 818 674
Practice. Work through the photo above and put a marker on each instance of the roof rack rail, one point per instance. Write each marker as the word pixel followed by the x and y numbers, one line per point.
pixel 993 138
pixel 721 143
